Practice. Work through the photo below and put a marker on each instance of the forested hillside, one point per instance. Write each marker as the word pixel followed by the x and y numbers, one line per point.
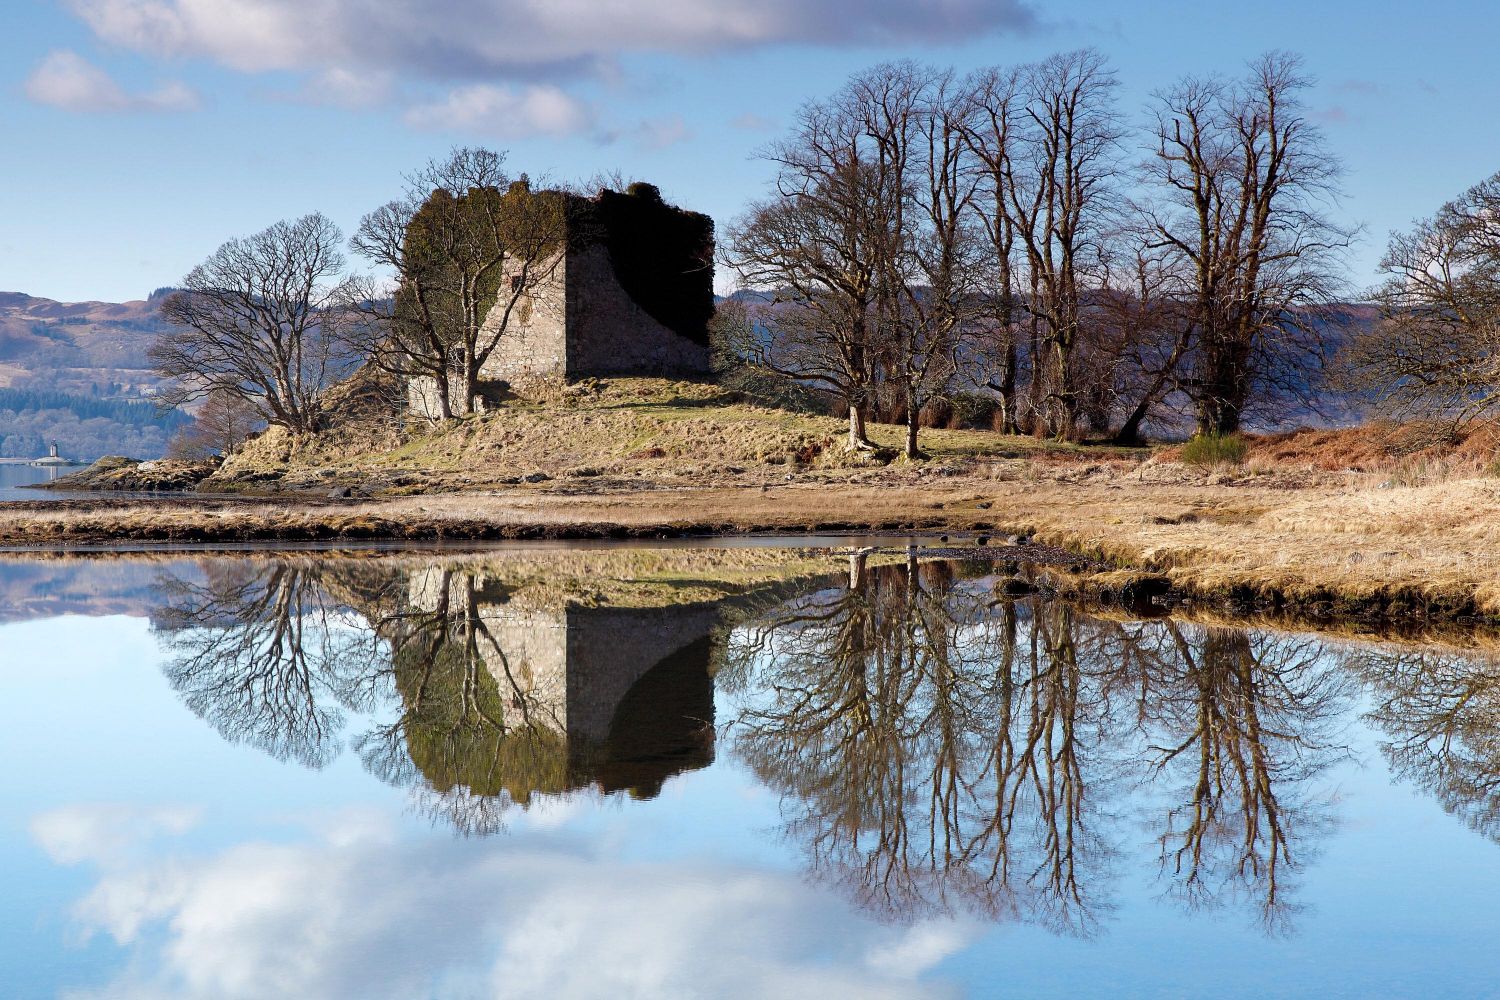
pixel 83 427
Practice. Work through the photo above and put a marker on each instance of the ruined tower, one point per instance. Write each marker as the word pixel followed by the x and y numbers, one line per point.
pixel 632 294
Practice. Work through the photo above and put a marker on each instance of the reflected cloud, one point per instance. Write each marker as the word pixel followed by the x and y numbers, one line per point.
pixel 106 834
pixel 381 917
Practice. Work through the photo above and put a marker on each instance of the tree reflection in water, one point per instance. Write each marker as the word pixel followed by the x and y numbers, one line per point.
pixel 1241 724
pixel 938 749
pixel 262 654
pixel 1440 709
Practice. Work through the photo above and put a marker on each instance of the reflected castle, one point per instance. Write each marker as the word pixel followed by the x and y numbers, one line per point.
pixel 936 745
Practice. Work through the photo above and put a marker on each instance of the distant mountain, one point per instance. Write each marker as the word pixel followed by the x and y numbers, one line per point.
pixel 77 372
pixel 85 348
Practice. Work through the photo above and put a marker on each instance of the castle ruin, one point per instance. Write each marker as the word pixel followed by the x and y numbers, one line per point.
pixel 630 294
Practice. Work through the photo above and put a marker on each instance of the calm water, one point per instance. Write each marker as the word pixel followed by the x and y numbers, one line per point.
pixel 721 773
pixel 12 477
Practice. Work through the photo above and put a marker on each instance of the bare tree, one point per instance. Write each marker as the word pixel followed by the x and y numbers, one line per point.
pixel 990 129
pixel 1436 350
pixel 815 247
pixel 258 321
pixel 471 250
pixel 223 423
pixel 1245 177
pixel 1057 192
pixel 1141 328
pixel 929 264
pixel 395 327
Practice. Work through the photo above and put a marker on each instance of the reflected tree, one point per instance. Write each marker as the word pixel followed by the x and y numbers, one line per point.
pixel 471 736
pixel 916 746
pixel 1240 725
pixel 263 653
pixel 939 749
pixel 1440 711
pixel 462 707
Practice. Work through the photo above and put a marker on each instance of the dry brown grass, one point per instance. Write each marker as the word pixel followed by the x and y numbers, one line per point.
pixel 1330 546
pixel 1409 453
pixel 1292 529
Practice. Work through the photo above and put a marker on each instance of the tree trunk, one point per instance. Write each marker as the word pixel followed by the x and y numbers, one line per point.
pixel 444 396
pixel 858 440
pixel 857 563
pixel 913 423
pixel 1007 389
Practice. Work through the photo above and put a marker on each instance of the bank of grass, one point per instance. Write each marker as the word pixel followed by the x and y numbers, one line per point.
pixel 1338 546
pixel 1409 453
pixel 1318 522
pixel 624 428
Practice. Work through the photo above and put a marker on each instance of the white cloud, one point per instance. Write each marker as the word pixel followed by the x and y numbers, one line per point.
pixel 651 135
pixel 105 834
pixel 477 38
pixel 68 81
pixel 347 88
pixel 375 917
pixel 503 112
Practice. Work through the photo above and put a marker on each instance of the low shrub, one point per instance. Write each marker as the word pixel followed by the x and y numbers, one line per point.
pixel 1214 449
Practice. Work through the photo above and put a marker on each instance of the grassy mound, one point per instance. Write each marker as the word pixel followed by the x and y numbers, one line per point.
pixel 629 430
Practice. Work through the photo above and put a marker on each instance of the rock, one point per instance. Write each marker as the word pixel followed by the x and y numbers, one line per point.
pixel 536 477
pixel 986 505
pixel 340 493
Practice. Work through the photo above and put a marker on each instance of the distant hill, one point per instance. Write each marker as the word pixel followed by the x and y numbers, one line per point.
pixel 68 371
pixel 84 348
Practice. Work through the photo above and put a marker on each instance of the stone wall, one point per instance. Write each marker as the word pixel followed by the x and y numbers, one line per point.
pixel 534 344
pixel 422 396
pixel 582 321
pixel 609 649
pixel 570 665
pixel 610 334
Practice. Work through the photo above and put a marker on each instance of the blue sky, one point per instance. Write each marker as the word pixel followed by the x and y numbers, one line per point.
pixel 139 134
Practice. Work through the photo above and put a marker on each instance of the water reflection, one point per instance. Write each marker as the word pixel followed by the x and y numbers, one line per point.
pixel 265 654
pixel 938 748
pixel 1441 711
pixel 476 692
